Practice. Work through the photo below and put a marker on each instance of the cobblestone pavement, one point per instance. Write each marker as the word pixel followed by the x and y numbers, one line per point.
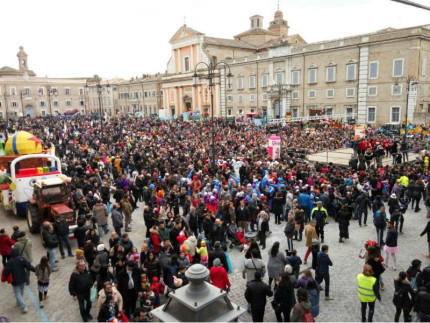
pixel 346 265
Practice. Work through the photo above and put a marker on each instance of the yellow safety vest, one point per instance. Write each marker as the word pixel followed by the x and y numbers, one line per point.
pixel 365 288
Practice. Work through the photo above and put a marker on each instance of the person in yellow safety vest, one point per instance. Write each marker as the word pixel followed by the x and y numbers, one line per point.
pixel 367 292
pixel 320 215
pixel 404 180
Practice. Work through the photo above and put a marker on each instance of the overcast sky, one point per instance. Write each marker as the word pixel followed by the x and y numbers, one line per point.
pixel 126 38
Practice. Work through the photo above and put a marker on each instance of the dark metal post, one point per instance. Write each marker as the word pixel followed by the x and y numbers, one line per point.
pixel 213 132
pixel 406 112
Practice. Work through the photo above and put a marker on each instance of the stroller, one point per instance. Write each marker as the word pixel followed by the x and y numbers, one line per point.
pixel 232 235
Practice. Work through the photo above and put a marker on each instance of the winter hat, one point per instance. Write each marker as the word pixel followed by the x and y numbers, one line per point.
pixel 288 269
pixel 101 247
pixel 217 262
pixel 79 253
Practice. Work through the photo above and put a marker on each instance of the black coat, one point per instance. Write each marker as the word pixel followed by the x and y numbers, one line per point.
pixel 61 227
pixel 123 280
pixel 277 205
pixel 217 253
pixel 80 233
pixel 343 217
pixel 403 290
pixel 285 296
pixel 49 239
pixel 80 282
pixel 17 266
pixel 256 293
pixel 243 215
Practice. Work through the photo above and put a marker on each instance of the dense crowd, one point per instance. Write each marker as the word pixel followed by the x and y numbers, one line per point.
pixel 195 211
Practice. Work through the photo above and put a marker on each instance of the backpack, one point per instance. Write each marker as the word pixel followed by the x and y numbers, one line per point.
pixel 308 317
pixel 378 220
pixel 385 189
pixel 414 283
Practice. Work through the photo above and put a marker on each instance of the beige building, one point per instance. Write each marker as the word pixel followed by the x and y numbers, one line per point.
pixel 22 93
pixel 283 75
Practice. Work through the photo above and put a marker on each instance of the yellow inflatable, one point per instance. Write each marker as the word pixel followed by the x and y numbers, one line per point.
pixel 22 143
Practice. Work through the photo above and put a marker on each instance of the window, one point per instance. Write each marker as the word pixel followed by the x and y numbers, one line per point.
pixel 67 91
pixel 330 93
pixel 41 91
pixel 295 95
pixel 229 86
pixel 42 103
pixel 240 83
pixel 240 98
pixel 351 72
pixel 229 112
pixel 312 94
pixel 43 112
pixel 240 111
pixel 398 67
pixel 329 111
pixel 55 103
pixel 252 97
pixel 312 76
pixel 373 70
pixel 264 80
pixel 252 82
pixel 350 92
pixel 331 74
pixel 69 103
pixel 81 103
pixel 146 94
pixel 26 91
pixel 153 93
pixel 229 98
pixel 372 90
pixel 56 112
pixel 187 64
pixel 371 114
pixel 264 96
pixel 14 104
pixel 395 115
pixel 396 89
pixel 12 91
pixel 349 113
pixel 295 78
pixel 279 78
pixel 81 91
pixel 295 113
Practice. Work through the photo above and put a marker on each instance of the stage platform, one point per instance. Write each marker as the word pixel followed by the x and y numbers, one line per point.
pixel 342 157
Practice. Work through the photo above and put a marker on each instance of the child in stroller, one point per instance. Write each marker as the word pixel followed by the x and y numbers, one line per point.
pixel 235 235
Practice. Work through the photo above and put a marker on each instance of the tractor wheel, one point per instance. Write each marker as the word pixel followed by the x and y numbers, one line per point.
pixel 33 218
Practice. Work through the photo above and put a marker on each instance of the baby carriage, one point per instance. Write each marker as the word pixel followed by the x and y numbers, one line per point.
pixel 232 233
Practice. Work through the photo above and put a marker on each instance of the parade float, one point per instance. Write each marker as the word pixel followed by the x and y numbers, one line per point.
pixel 31 182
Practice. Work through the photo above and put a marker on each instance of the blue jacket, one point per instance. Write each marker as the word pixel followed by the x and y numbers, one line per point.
pixel 305 200
pixel 314 297
pixel 17 266
pixel 324 262
pixel 295 262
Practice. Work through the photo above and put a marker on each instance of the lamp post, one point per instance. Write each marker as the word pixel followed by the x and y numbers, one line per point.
pixel 97 81
pixel 410 81
pixel 50 91
pixel 211 68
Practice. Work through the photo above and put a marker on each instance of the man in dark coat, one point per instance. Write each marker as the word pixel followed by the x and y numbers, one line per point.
pixel 61 229
pixel 255 294
pixel 17 266
pixel 80 284
pixel 130 286
pixel 217 253
pixel 50 242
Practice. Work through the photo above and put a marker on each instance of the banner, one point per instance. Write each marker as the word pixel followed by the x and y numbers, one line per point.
pixel 360 132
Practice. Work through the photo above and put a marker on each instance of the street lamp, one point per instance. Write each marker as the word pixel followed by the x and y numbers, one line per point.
pixel 410 81
pixel 210 76
pixel 50 92
pixel 97 80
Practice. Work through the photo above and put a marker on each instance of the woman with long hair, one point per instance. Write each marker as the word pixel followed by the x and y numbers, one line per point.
pixel 314 296
pixel 43 273
pixel 275 263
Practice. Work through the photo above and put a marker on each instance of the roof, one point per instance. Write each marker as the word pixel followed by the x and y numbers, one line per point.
pixel 184 29
pixel 9 71
pixel 228 42
pixel 256 31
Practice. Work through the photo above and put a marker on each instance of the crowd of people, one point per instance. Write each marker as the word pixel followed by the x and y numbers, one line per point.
pixel 196 210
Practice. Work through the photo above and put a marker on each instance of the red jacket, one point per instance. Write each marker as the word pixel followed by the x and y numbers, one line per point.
pixel 219 277
pixel 155 238
pixel 6 244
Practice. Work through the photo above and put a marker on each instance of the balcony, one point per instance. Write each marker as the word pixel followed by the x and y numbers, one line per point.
pixel 278 90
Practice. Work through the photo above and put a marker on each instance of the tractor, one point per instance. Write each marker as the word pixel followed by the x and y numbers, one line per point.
pixel 51 197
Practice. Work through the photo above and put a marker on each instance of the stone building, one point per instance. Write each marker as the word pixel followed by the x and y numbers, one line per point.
pixel 22 93
pixel 361 76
